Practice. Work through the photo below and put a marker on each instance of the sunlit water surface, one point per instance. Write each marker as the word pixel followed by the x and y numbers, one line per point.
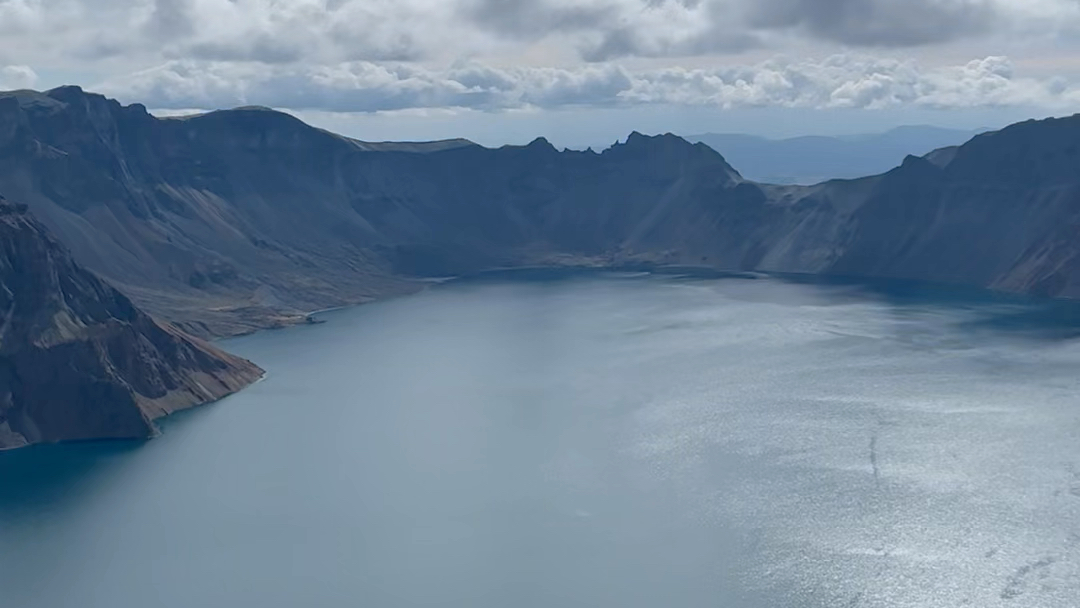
pixel 601 440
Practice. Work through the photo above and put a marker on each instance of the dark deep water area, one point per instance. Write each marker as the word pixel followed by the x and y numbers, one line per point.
pixel 563 439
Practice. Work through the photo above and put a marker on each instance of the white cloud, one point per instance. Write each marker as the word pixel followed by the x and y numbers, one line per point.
pixel 122 34
pixel 17 77
pixel 367 87
pixel 375 55
pixel 879 23
pixel 90 32
pixel 840 81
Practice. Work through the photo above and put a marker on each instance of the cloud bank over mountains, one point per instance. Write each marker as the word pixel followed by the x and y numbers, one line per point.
pixel 17 77
pixel 375 55
pixel 840 81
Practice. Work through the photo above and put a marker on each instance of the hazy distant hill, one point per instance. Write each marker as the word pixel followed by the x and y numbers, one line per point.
pixel 814 159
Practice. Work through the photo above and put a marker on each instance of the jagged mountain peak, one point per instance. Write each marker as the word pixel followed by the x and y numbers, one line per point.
pixel 636 138
pixel 71 92
pixel 540 143
pixel 75 96
pixel 664 141
pixel 61 98
pixel 672 148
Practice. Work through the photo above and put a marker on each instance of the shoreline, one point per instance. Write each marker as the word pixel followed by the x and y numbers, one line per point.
pixel 649 268
pixel 701 271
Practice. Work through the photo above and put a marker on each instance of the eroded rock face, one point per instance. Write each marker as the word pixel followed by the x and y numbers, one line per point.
pixel 244 219
pixel 1001 211
pixel 78 360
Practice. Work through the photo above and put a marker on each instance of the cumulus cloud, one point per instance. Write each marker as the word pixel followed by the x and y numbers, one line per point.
pixel 17 77
pixel 601 30
pixel 326 31
pixel 654 28
pixel 673 28
pixel 368 87
pixel 841 81
pixel 378 55
pixel 878 22
pixel 861 82
pixel 536 18
pixel 271 31
pixel 170 19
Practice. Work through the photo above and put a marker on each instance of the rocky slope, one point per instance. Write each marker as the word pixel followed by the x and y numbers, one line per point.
pixel 1001 211
pixel 248 218
pixel 245 219
pixel 78 360
pixel 226 222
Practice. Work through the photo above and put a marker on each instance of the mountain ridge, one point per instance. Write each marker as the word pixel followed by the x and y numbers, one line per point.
pixel 237 220
pixel 206 221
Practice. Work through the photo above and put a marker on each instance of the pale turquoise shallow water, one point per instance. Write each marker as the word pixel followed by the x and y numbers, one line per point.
pixel 539 439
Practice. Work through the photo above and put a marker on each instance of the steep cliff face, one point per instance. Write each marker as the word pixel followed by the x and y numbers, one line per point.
pixel 78 360
pixel 225 222
pixel 1001 211
pixel 243 219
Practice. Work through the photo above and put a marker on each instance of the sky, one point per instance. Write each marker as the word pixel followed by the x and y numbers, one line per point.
pixel 580 72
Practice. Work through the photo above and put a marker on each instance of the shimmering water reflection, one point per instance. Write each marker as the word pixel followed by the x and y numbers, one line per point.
pixel 553 439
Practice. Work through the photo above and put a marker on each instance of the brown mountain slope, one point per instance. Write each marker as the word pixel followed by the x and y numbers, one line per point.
pixel 78 360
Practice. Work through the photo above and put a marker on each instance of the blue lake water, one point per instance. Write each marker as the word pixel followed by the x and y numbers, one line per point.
pixel 603 440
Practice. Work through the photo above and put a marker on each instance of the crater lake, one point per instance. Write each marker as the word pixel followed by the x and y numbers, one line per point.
pixel 565 439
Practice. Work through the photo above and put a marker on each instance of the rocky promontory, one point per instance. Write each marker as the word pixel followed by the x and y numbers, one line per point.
pixel 78 360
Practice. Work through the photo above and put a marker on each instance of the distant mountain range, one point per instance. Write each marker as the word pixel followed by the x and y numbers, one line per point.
pixel 814 159
pixel 237 220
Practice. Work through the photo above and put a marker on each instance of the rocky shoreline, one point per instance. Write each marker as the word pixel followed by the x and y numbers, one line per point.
pixel 79 361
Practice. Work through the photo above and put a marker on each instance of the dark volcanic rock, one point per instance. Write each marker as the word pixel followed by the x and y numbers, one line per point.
pixel 1001 211
pixel 225 223
pixel 78 360
pixel 242 219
